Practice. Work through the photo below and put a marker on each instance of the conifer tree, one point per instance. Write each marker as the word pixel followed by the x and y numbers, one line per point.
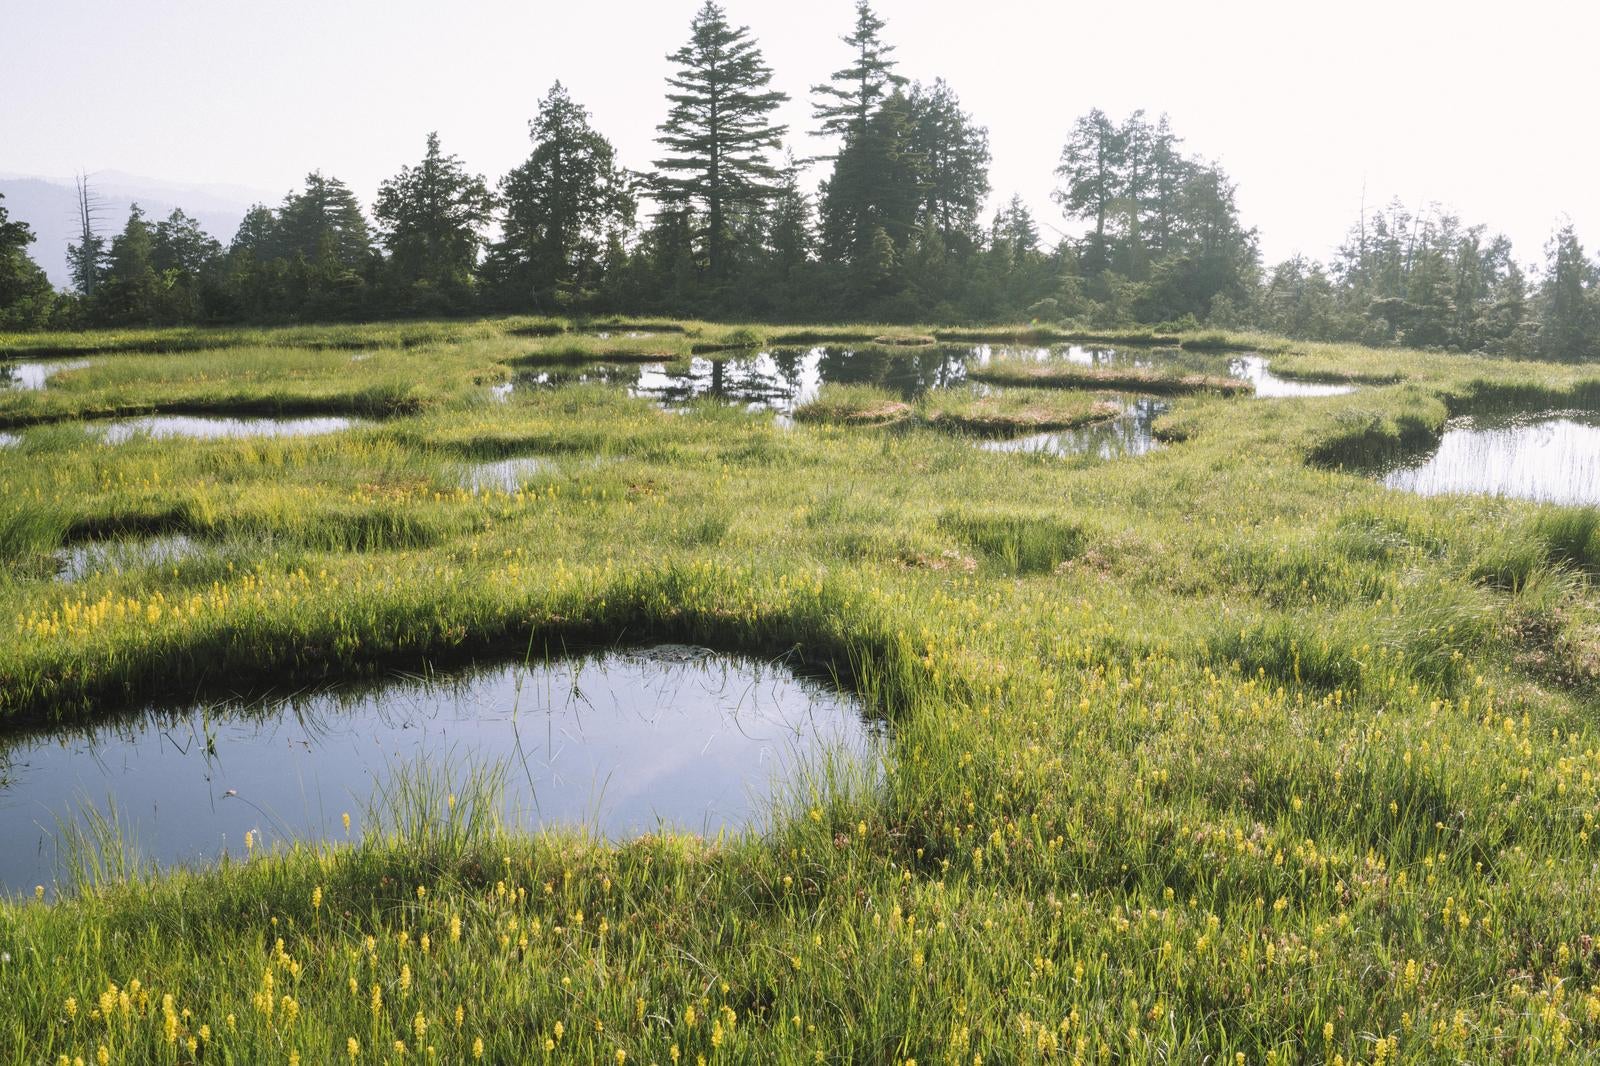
pixel 25 293
pixel 953 154
pixel 1569 319
pixel 431 218
pixel 1089 164
pixel 562 208
pixel 846 101
pixel 718 130
pixel 324 223
pixel 870 202
pixel 130 281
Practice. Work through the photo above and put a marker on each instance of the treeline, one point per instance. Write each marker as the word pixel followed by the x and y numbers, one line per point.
pixel 1435 282
pixel 721 226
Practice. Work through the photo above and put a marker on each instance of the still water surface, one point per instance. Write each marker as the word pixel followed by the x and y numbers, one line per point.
pixel 30 377
pixel 1130 433
pixel 624 742
pixel 208 427
pixel 1554 458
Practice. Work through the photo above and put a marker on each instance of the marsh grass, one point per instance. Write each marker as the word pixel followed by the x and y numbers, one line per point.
pixel 855 405
pixel 1010 412
pixel 1017 544
pixel 1023 373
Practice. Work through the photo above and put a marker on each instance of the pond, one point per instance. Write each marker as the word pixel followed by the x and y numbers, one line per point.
pixel 1552 457
pixel 783 380
pixel 1129 434
pixel 1253 368
pixel 779 380
pixel 505 475
pixel 30 377
pixel 82 561
pixel 622 743
pixel 210 427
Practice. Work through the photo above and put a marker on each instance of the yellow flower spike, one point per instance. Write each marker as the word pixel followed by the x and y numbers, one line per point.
pixel 352 1048
pixel 477 1047
pixel 38 892
pixel 316 898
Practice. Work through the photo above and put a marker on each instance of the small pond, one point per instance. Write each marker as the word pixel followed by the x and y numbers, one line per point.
pixel 208 427
pixel 505 475
pixel 1129 434
pixel 82 561
pixel 623 743
pixel 1552 457
pixel 1253 368
pixel 30 377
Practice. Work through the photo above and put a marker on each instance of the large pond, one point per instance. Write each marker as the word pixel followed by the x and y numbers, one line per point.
pixel 1552 457
pixel 781 380
pixel 620 743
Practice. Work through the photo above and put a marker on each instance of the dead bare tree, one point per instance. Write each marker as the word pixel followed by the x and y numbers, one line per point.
pixel 87 257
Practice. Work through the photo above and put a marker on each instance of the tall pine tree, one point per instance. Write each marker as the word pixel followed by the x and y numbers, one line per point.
pixel 953 152
pixel 1090 162
pixel 846 101
pixel 562 209
pixel 25 293
pixel 718 130
pixel 431 218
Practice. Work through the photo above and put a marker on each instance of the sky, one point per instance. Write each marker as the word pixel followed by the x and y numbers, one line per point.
pixel 1486 109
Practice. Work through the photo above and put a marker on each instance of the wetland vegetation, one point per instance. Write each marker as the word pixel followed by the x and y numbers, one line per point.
pixel 1212 749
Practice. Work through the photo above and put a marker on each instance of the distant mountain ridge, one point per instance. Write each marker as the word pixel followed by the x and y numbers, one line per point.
pixel 49 205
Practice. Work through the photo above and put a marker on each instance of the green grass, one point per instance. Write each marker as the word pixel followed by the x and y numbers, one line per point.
pixel 1009 412
pixel 855 405
pixel 1224 750
pixel 1027 373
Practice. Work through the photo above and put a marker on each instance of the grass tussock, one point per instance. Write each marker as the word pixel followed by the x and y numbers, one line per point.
pixel 1017 373
pixel 1012 412
pixel 855 405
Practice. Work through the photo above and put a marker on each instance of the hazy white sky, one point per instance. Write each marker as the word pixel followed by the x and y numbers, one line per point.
pixel 1488 108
